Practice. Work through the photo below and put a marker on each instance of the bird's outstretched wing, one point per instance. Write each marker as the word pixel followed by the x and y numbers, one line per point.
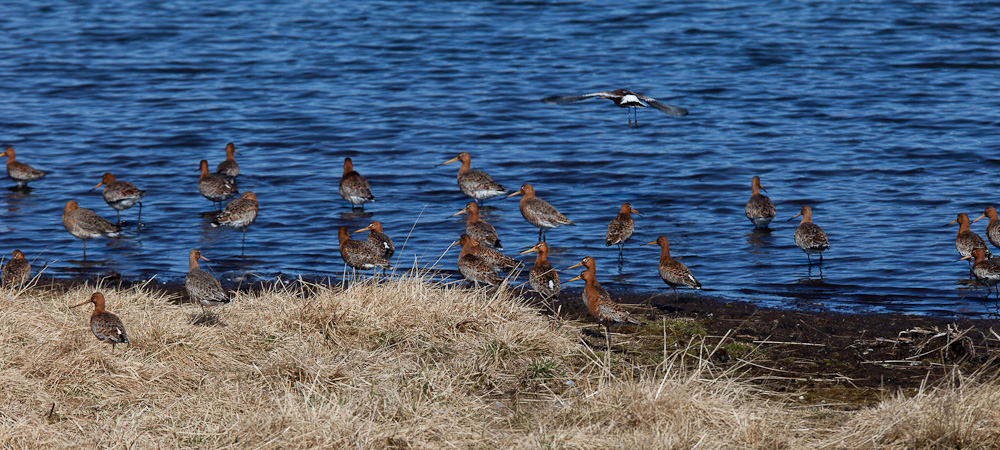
pixel 676 111
pixel 564 99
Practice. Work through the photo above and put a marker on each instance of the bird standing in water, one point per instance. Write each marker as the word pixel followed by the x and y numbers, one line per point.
pixel 239 214
pixel 85 224
pixel 121 195
pixel 214 187
pixel 474 183
pixel 621 228
pixel 810 237
pixel 987 271
pixel 19 171
pixel 539 212
pixel 623 98
pixel 106 326
pixel 229 169
pixel 353 187
pixel 759 209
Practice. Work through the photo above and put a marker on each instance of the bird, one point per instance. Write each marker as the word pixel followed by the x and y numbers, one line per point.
pixel 85 224
pixel 19 171
pixel 354 188
pixel 202 287
pixel 239 214
pixel 543 278
pixel 214 187
pixel 966 240
pixel 591 266
pixel 474 183
pixel 17 271
pixel 621 228
pixel 993 227
pixel 229 169
pixel 474 268
pixel 121 195
pixel 498 261
pixel 623 98
pixel 539 212
pixel 987 271
pixel 379 239
pixel 759 209
pixel 600 306
pixel 479 229
pixel 360 254
pixel 106 326
pixel 673 272
pixel 809 236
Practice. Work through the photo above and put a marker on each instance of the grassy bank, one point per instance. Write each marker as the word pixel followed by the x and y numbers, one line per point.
pixel 413 364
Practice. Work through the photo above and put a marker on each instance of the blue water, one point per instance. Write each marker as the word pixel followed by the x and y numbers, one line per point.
pixel 881 115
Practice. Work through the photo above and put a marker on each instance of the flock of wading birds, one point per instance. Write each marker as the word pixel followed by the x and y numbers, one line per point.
pixel 480 260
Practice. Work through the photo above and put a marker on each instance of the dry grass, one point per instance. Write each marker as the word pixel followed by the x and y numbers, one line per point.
pixel 402 364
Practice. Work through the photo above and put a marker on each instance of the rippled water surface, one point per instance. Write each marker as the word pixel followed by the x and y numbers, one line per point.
pixel 881 115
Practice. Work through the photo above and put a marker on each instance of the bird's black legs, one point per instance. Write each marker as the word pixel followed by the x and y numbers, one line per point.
pixel 139 220
pixel 119 213
pixel 243 245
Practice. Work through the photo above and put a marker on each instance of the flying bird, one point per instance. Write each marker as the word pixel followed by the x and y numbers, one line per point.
pixel 624 98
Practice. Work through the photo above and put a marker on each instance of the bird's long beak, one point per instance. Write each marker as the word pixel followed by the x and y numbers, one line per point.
pixel 651 243
pixel 963 258
pixel 369 227
pixel 449 161
pixel 797 215
pixel 636 212
pixel 574 279
pixel 515 193
pixel 574 265
pixel 977 218
pixel 102 184
pixel 464 210
pixel 953 221
pixel 762 188
pixel 81 304
pixel 532 249
pixel 206 259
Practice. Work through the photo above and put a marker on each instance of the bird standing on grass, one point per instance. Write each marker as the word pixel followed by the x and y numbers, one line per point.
pixel 474 268
pixel 600 306
pixel 543 278
pixel 202 287
pixel 591 266
pixel 17 271
pixel 106 326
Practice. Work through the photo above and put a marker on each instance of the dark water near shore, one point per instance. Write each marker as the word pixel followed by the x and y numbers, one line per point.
pixel 881 115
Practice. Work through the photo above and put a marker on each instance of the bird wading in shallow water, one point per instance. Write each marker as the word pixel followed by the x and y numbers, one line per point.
pixel 214 187
pixel 624 98
pixel 966 240
pixel 479 229
pixel 19 171
pixel 993 227
pixel 353 187
pixel 759 209
pixel 987 271
pixel 539 212
pixel 121 195
pixel 85 224
pixel 810 237
pixel 239 214
pixel 229 169
pixel 106 327
pixel 621 228
pixel 379 239
pixel 474 183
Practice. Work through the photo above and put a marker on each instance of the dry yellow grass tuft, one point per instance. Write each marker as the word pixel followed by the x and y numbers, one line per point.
pixel 406 363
